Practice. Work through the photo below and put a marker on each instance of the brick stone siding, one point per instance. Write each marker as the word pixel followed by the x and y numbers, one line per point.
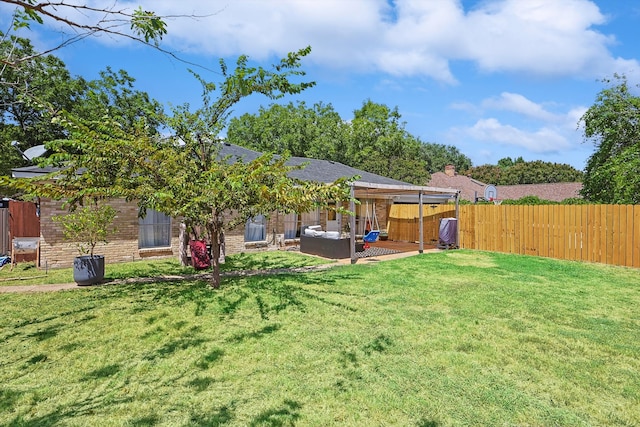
pixel 56 252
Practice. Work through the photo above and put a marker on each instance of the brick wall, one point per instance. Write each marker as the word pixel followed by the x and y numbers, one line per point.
pixel 55 251
pixel 123 246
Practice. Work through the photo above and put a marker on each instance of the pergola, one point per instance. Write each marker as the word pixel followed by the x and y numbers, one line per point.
pixel 417 193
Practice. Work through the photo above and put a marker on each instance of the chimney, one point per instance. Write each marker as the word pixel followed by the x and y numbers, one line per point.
pixel 450 170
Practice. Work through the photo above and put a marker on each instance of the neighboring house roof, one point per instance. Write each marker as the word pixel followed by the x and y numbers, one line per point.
pixel 556 192
pixel 469 188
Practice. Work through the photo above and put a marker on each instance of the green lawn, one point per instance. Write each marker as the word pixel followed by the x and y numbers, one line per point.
pixel 27 274
pixel 450 338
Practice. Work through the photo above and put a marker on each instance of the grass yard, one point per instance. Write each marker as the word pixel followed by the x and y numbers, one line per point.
pixel 27 273
pixel 443 339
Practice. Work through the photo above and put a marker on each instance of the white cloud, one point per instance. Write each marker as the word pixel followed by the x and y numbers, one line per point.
pixel 403 38
pixel 412 38
pixel 519 104
pixel 543 140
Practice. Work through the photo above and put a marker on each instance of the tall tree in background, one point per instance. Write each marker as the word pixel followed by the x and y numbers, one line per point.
pixel 514 172
pixel 42 80
pixel 438 156
pixel 42 87
pixel 315 132
pixel 374 140
pixel 612 124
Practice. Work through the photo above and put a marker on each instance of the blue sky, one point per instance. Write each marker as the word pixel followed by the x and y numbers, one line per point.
pixel 495 78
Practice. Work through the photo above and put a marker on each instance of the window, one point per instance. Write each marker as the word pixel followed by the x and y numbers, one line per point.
pixel 256 229
pixel 154 230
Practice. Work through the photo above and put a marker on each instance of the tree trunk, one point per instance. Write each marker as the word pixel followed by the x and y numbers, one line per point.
pixel 215 232
pixel 184 242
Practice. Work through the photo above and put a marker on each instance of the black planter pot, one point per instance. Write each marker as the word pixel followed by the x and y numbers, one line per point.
pixel 88 270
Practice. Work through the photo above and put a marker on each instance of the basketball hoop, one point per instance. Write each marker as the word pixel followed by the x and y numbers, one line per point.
pixel 497 202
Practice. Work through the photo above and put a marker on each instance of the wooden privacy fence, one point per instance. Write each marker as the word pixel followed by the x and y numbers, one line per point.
pixel 24 222
pixel 608 234
pixel 403 223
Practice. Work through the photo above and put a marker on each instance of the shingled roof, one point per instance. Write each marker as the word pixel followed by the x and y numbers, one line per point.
pixel 556 192
pixel 316 170
pixel 471 188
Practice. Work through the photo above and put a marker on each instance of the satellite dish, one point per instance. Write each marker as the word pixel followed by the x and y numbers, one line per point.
pixel 36 151
pixel 490 192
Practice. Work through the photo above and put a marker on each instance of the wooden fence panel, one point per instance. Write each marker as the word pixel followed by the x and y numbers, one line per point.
pixel 24 222
pixel 404 222
pixel 636 237
pixel 628 255
pixel 608 234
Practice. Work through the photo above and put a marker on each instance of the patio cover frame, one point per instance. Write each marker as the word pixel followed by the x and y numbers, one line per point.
pixel 360 190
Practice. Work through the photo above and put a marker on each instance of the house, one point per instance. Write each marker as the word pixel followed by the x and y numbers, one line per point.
pixel 470 189
pixel 473 190
pixel 556 192
pixel 157 235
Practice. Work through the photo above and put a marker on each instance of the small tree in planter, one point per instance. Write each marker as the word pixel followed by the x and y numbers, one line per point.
pixel 86 227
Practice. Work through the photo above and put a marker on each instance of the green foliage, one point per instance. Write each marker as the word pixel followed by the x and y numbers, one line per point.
pixel 87 226
pixel 529 200
pixel 29 92
pixel 612 124
pixel 514 172
pixel 315 132
pixel 27 115
pixel 148 25
pixel 575 201
pixel 182 175
pixel 374 140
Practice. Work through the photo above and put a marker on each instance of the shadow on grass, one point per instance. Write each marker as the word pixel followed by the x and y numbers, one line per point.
pixel 209 358
pixel 267 330
pixel 219 417
pixel 172 346
pixel 169 267
pixel 104 372
pixel 285 415
pixel 270 294
pixel 272 260
pixel 65 413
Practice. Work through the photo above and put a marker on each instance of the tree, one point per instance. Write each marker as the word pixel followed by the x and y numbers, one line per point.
pixel 38 81
pixel 438 156
pixel 374 140
pixel 515 172
pixel 209 192
pixel 316 132
pixel 612 124
pixel 182 175
pixel 84 20
pixel 41 87
pixel 377 142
